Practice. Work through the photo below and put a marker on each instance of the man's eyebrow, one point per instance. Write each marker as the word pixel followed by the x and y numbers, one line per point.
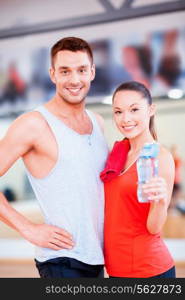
pixel 63 67
pixel 66 67
pixel 83 66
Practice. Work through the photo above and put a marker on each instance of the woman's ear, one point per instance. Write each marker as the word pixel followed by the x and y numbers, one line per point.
pixel 152 109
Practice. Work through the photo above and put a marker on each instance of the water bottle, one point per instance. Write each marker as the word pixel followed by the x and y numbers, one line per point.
pixel 147 167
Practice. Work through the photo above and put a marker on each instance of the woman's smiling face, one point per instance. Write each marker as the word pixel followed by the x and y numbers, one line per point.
pixel 132 113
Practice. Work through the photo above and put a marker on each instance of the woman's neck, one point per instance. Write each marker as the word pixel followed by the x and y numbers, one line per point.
pixel 137 143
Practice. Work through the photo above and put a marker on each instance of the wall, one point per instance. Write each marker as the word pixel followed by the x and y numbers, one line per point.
pixel 170 121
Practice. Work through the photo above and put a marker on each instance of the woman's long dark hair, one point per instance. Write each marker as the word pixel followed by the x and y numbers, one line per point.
pixel 140 88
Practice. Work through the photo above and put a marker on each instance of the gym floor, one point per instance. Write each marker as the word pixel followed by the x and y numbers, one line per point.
pixel 21 264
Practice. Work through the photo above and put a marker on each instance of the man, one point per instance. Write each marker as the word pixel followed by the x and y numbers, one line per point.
pixel 64 150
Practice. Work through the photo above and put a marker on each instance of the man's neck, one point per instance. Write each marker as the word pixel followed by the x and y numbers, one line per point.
pixel 64 109
pixel 74 116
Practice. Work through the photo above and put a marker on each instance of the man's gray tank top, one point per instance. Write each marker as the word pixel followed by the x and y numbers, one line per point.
pixel 71 196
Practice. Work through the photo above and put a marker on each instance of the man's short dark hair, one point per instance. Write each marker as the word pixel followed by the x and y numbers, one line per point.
pixel 71 44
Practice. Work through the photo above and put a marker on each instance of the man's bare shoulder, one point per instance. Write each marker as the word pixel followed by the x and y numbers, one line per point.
pixel 21 137
pixel 32 121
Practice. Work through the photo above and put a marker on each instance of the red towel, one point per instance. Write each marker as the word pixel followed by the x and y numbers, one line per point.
pixel 116 160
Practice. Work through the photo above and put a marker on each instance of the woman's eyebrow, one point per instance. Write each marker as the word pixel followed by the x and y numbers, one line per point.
pixel 134 104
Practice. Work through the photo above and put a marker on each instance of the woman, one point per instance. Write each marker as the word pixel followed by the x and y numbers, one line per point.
pixel 133 246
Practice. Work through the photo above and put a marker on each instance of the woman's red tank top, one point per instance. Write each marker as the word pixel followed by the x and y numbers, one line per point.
pixel 130 250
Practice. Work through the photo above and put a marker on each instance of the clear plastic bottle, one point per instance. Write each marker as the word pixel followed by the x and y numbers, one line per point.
pixel 147 167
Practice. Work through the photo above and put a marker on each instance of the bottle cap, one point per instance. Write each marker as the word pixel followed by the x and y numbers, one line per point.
pixel 150 150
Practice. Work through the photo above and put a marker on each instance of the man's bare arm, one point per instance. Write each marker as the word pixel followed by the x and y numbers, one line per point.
pixel 19 140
